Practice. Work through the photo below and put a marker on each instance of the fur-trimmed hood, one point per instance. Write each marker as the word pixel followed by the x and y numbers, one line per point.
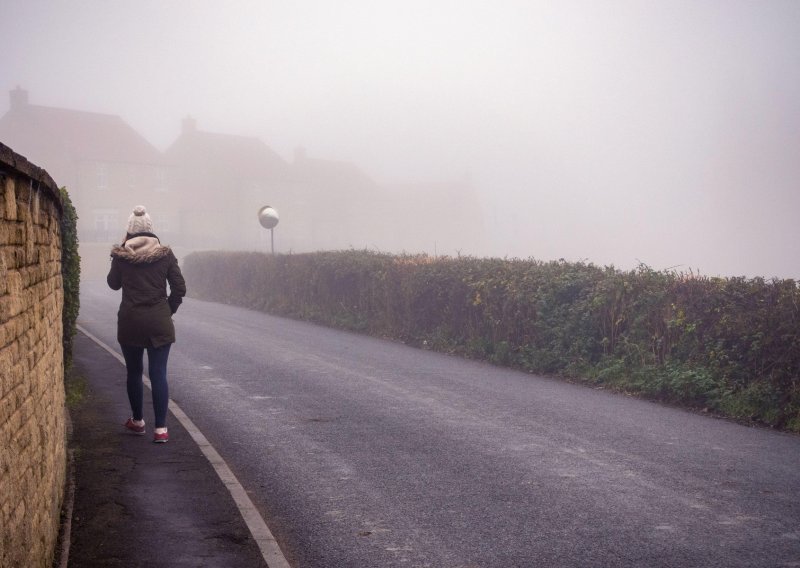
pixel 141 248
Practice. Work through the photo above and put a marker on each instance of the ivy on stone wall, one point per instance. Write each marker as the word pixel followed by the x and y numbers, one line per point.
pixel 71 273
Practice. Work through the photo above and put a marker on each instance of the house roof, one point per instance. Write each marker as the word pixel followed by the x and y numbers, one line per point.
pixel 331 171
pixel 42 133
pixel 248 157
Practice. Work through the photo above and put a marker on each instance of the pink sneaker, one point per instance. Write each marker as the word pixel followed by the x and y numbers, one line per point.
pixel 133 427
pixel 161 438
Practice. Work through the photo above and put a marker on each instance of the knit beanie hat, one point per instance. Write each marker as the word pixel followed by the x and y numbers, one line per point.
pixel 139 221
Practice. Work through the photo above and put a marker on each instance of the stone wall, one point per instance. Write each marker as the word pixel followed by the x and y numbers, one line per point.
pixel 32 412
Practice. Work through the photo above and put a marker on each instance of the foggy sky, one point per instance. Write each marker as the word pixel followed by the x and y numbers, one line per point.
pixel 615 132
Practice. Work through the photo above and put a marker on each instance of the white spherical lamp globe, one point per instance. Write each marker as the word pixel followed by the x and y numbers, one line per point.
pixel 268 217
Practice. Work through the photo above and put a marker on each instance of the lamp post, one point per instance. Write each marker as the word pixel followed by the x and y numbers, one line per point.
pixel 268 217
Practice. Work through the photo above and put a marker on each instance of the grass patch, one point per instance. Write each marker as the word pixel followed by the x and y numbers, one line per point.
pixel 75 389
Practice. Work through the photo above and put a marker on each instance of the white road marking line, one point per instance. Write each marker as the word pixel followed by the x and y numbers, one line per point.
pixel 255 522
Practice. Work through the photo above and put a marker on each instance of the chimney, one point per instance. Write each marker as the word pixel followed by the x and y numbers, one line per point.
pixel 189 125
pixel 19 98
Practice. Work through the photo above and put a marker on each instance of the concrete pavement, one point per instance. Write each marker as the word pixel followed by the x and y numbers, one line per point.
pixel 138 503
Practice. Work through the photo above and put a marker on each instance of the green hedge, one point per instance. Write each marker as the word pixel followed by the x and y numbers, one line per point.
pixel 729 345
pixel 71 274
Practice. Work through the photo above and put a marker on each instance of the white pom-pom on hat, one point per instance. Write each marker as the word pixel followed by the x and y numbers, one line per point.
pixel 139 221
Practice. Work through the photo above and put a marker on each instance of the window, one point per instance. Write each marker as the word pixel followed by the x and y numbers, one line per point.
pixel 106 224
pixel 101 173
pixel 161 181
pixel 161 223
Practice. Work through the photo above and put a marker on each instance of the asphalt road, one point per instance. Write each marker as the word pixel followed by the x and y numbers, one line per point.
pixel 366 453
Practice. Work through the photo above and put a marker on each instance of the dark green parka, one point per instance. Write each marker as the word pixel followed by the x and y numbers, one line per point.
pixel 141 266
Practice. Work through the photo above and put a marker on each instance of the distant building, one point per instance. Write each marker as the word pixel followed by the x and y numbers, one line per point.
pixel 329 204
pixel 105 164
pixel 442 218
pixel 223 180
pixel 335 205
pixel 205 190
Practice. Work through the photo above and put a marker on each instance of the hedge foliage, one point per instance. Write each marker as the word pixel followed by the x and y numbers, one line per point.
pixel 70 273
pixel 729 345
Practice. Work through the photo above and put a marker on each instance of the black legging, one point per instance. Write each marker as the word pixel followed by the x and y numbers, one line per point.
pixel 157 369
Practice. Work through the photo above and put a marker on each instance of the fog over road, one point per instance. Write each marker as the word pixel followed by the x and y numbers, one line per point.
pixel 366 453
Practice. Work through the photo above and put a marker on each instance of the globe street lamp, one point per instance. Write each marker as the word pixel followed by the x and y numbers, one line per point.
pixel 268 217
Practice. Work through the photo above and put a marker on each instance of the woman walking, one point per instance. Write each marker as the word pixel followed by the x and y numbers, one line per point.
pixel 142 267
